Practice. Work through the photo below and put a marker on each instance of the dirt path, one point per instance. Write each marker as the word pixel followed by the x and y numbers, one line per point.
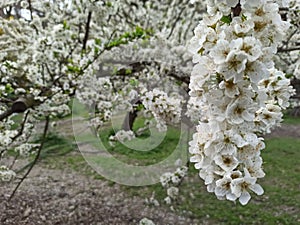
pixel 64 197
pixel 285 130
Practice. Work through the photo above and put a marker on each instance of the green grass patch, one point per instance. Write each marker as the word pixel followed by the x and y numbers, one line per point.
pixel 60 153
pixel 18 118
pixel 288 119
pixel 149 148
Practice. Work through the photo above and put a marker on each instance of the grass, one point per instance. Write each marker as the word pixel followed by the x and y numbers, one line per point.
pixel 125 159
pixel 287 119
pixel 149 148
pixel 60 153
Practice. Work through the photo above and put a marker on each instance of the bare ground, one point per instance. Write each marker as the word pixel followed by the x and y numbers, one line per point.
pixel 285 130
pixel 65 197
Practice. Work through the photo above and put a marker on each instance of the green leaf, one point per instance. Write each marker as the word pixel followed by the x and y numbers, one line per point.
pixel 74 69
pixel 128 71
pixel 133 82
pixel 109 4
pixel 140 107
pixel 96 50
pixel 65 25
pixel 9 89
pixel 244 18
pixel 226 19
pixel 98 41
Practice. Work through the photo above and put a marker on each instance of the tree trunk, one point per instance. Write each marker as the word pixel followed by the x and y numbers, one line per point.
pixel 129 120
pixel 131 116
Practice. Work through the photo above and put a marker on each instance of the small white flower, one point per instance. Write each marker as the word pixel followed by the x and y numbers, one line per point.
pixel 146 221
pixel 226 162
pixel 172 192
pixel 220 52
pixel 168 200
pixel 240 110
pixel 6 174
pixel 241 186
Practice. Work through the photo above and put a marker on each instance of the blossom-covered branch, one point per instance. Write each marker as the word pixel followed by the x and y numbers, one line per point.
pixel 235 78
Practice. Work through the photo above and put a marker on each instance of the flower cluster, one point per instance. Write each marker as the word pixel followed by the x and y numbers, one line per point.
pixel 121 136
pixel 26 148
pixel 195 109
pixel 6 174
pixel 165 109
pixel 288 58
pixel 171 181
pixel 97 93
pixel 146 221
pixel 234 76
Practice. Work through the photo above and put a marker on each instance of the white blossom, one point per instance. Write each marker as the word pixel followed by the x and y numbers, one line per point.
pixel 244 94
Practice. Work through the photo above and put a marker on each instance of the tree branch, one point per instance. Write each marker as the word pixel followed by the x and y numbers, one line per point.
pixel 35 159
pixel 87 30
pixel 20 132
pixel 288 49
pixel 172 72
pixel 236 11
pixel 19 106
pixel 30 9
pixel 175 22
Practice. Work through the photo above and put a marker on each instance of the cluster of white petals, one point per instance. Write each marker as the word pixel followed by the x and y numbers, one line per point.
pixel 26 148
pixel 97 93
pixel 146 221
pixel 171 181
pixel 6 174
pixel 289 61
pixel 165 109
pixel 234 76
pixel 121 136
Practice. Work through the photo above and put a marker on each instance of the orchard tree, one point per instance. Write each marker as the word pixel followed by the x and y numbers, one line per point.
pixel 52 51
pixel 132 55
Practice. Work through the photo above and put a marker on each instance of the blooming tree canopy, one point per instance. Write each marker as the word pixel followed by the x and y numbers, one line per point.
pixel 105 54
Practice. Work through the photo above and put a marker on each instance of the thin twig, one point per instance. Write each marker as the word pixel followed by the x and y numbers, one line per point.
pixel 101 52
pixel 30 9
pixel 87 30
pixel 20 132
pixel 288 49
pixel 175 22
pixel 14 161
pixel 35 159
pixel 171 72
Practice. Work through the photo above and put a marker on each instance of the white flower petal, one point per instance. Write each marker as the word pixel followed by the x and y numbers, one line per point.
pixel 231 197
pixel 257 189
pixel 244 198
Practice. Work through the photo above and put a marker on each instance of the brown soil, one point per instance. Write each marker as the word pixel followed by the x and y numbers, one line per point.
pixel 65 197
pixel 285 130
